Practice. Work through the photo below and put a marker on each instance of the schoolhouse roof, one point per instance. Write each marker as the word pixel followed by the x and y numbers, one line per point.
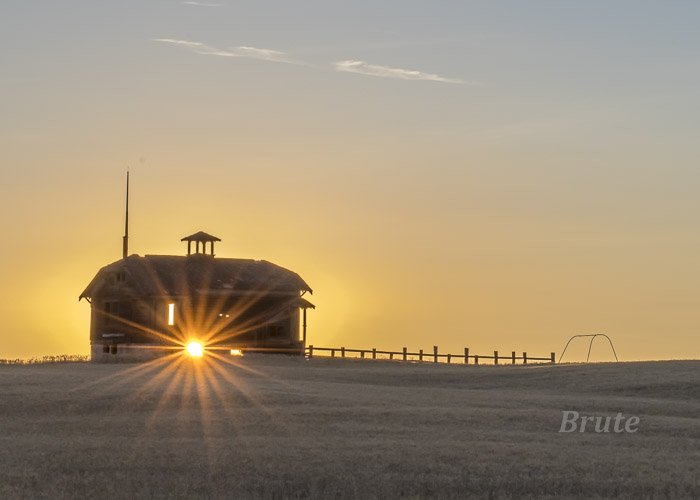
pixel 170 275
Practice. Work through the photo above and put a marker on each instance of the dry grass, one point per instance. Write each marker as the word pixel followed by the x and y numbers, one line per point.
pixel 61 358
pixel 278 427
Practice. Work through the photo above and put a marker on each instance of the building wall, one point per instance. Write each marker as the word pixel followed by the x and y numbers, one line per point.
pixel 294 325
pixel 260 325
pixel 126 353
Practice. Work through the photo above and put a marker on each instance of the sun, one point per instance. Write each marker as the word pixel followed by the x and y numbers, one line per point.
pixel 195 349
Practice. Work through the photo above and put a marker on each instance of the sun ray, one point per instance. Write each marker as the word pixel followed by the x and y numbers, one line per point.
pixel 237 364
pixel 124 375
pixel 205 414
pixel 167 395
pixel 155 380
pixel 247 393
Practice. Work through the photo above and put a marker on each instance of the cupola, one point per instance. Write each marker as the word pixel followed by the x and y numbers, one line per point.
pixel 200 238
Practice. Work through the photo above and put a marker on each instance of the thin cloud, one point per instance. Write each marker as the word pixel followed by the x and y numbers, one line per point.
pixel 242 52
pixel 203 4
pixel 198 47
pixel 363 68
pixel 264 54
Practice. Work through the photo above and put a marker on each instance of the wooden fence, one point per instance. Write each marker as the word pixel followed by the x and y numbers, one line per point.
pixel 421 356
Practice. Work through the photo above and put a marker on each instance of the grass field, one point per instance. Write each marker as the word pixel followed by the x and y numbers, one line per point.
pixel 283 427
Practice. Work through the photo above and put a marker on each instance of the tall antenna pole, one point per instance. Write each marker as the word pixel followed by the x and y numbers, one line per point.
pixel 125 250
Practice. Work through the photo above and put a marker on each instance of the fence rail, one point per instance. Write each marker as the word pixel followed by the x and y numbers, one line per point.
pixel 435 356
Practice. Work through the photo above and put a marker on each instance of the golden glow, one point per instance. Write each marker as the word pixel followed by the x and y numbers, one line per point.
pixel 236 352
pixel 171 314
pixel 522 242
pixel 195 349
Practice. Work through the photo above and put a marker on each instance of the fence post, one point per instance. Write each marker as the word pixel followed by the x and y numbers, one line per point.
pixel 552 357
pixel 436 355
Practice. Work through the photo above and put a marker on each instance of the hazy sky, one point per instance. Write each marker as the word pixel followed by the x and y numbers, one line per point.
pixel 498 175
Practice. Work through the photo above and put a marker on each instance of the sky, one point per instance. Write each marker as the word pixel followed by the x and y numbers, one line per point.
pixel 492 175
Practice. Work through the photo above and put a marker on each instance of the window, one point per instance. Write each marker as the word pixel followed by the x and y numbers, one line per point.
pixel 125 311
pixel 111 309
pixel 116 311
pixel 276 331
pixel 171 314
pixel 116 277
